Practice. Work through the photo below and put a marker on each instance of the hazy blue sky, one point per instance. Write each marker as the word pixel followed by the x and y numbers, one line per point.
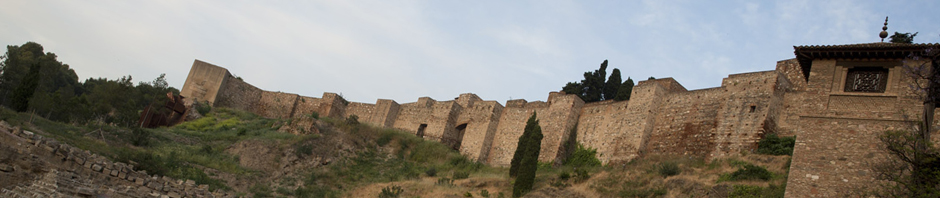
pixel 403 50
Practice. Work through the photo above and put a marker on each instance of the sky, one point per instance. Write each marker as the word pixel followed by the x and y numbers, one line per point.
pixel 403 50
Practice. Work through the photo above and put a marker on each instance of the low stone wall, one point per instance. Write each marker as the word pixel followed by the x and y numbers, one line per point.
pixel 80 173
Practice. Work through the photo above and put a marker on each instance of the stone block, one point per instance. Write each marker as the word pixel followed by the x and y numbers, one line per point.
pixel 97 167
pixel 7 167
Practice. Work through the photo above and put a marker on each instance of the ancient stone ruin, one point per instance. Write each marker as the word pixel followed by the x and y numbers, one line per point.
pixel 836 99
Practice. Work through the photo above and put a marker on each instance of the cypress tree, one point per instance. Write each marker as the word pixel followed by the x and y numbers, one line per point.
pixel 521 148
pixel 530 157
pixel 625 89
pixel 613 85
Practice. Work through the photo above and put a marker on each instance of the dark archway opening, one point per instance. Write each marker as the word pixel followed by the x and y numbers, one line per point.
pixel 458 138
pixel 421 128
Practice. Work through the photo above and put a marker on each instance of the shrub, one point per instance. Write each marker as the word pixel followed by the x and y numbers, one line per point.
pixel 667 169
pixel 581 175
pixel 391 192
pixel 259 190
pixel 315 115
pixel 583 157
pixel 303 150
pixel 140 137
pixel 468 194
pixel 203 108
pixel 564 176
pixel 461 175
pixel 748 172
pixel 431 172
pixel 443 181
pixel 773 145
pixel 484 193
pixel 352 120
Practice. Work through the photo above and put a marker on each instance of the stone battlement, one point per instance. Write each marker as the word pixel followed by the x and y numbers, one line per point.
pixel 662 117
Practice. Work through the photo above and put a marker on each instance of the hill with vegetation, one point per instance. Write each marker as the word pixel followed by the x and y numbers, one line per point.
pixel 238 153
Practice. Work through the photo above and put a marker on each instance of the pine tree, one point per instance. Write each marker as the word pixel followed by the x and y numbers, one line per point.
pixel 625 90
pixel 528 164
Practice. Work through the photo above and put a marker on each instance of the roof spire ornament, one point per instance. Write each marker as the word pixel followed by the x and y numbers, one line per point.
pixel 884 31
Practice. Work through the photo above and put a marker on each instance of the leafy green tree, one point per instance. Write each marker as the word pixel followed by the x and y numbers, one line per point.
pixel 613 85
pixel 626 88
pixel 33 80
pixel 527 166
pixel 15 66
pixel 26 89
pixel 903 37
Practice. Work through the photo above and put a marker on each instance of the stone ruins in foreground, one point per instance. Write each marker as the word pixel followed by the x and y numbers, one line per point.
pixel 835 99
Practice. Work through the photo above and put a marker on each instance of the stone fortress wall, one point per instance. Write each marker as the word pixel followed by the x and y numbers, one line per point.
pixel 662 117
pixel 810 96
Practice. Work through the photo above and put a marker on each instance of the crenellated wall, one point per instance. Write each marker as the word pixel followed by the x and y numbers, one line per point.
pixel 662 117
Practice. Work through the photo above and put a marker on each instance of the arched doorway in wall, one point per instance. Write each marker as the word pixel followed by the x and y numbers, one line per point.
pixel 458 136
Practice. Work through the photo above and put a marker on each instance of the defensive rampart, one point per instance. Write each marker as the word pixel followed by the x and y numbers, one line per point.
pixel 662 117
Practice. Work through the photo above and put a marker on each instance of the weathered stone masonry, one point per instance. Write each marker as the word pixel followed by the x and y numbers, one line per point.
pixel 810 96
pixel 80 173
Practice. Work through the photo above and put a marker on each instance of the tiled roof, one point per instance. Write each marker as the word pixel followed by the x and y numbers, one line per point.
pixel 880 50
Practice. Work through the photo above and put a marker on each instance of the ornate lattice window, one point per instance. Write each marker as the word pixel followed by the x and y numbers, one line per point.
pixel 866 79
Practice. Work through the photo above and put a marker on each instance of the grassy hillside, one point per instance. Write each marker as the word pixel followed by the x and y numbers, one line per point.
pixel 241 152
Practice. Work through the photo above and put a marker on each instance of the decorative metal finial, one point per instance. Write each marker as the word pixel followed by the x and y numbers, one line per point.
pixel 884 31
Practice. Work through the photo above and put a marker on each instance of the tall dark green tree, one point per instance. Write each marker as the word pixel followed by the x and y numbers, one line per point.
pixel 903 37
pixel 594 84
pixel 626 88
pixel 591 88
pixel 25 90
pixel 33 80
pixel 521 148
pixel 15 66
pixel 613 85
pixel 528 164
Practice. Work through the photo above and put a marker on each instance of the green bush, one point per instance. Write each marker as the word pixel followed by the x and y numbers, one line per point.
pixel 748 172
pixel 303 150
pixel 315 115
pixel 443 181
pixel 140 137
pixel 581 175
pixel 564 176
pixel 583 157
pixel 667 169
pixel 467 194
pixel 484 193
pixel 773 145
pixel 431 172
pixel 461 175
pixel 391 192
pixel 747 191
pixel 259 190
pixel 352 120
pixel 203 107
